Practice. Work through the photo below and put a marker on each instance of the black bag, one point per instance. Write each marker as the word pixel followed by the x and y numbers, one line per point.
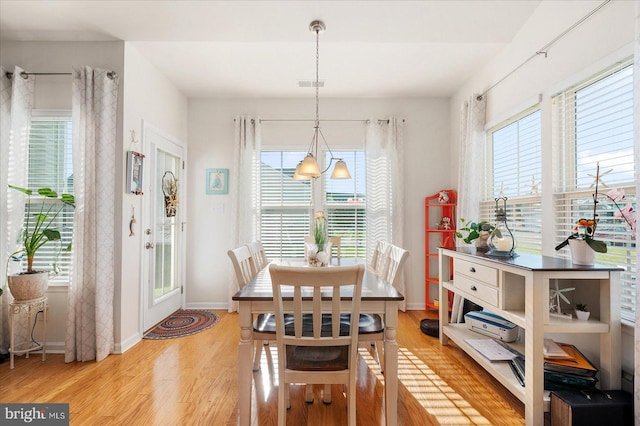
pixel 430 327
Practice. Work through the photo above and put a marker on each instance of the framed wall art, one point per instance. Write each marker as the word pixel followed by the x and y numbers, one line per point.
pixel 217 181
pixel 135 164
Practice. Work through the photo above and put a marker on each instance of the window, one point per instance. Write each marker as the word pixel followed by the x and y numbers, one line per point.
pixel 515 171
pixel 344 203
pixel 51 166
pixel 593 124
pixel 287 206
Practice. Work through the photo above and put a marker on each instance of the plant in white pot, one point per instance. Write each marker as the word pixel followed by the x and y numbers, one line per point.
pixel 39 229
pixel 581 311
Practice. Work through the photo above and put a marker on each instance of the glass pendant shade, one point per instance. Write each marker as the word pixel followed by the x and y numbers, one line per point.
pixel 340 171
pixel 309 167
pixel 297 175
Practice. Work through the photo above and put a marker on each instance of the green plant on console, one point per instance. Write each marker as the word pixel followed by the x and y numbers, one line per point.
pixel 473 230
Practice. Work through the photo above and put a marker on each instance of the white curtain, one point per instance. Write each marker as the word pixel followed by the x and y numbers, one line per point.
pixel 636 114
pixel 16 102
pixel 470 159
pixel 245 181
pixel 90 300
pixel 384 186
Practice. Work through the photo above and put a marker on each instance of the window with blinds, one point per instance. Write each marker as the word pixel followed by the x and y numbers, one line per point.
pixel 515 171
pixel 51 166
pixel 286 205
pixel 344 204
pixel 593 124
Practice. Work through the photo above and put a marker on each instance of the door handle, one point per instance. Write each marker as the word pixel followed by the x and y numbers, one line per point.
pixel 148 246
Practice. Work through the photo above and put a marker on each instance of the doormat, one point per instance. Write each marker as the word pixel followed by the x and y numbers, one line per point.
pixel 183 323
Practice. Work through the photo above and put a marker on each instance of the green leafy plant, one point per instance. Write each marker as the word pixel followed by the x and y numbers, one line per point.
pixel 581 307
pixel 472 229
pixel 40 228
pixel 319 230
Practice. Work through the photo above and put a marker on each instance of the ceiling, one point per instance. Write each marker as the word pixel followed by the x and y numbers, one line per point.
pixel 263 48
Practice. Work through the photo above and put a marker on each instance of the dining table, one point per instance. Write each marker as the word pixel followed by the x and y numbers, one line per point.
pixel 378 297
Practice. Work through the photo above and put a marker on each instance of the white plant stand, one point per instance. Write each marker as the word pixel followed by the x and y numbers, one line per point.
pixel 28 308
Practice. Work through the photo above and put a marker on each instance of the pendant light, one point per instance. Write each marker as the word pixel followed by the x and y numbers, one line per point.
pixel 308 168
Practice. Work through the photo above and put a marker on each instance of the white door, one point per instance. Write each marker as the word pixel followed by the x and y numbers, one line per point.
pixel 163 230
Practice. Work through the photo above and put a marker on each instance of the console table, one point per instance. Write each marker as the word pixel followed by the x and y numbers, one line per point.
pixel 518 289
pixel 30 308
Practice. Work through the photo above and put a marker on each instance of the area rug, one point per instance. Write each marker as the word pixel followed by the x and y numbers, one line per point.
pixel 183 323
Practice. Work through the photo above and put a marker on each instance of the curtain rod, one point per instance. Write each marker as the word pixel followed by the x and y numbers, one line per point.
pixel 544 49
pixel 25 75
pixel 326 120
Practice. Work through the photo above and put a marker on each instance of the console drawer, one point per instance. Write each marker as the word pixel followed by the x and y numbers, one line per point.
pixel 476 288
pixel 477 272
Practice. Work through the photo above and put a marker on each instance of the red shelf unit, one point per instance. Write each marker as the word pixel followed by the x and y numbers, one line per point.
pixel 434 237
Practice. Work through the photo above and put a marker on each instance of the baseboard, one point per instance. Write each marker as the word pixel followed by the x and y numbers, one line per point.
pixel 218 306
pixel 120 348
pixel 415 306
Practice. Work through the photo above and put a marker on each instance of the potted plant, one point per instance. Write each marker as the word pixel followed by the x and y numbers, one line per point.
pixel 39 229
pixel 476 230
pixel 319 252
pixel 581 311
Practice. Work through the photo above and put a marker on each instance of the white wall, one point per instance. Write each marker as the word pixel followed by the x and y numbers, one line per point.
pixel 54 92
pixel 599 42
pixel 148 96
pixel 210 218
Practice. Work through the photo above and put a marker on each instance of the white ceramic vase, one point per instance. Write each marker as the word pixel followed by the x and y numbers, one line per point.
pixel 26 286
pixel 581 253
pixel 582 315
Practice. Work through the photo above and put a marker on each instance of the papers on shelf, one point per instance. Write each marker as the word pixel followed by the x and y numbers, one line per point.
pixel 553 350
pixel 491 349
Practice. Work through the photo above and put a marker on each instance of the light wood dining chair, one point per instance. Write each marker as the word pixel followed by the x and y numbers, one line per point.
pixel 380 257
pixel 311 347
pixel 264 324
pixel 259 256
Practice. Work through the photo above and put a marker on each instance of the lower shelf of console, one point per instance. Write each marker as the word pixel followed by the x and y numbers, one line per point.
pixel 500 370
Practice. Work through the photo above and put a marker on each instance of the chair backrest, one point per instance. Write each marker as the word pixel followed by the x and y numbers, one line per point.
pixel 396 258
pixel 242 264
pixel 307 283
pixel 380 257
pixel 259 256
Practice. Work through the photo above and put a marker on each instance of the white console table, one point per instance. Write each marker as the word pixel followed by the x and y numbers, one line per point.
pixel 518 290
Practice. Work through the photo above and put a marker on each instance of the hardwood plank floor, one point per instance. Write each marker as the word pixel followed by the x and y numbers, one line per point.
pixel 193 381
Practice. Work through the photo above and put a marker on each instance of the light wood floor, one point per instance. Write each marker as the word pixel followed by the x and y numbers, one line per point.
pixel 192 380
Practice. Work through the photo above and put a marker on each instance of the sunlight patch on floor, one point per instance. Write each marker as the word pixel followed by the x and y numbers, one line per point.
pixel 433 393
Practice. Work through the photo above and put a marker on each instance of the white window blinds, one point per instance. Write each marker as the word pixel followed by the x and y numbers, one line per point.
pixel 593 123
pixel 515 171
pixel 285 205
pixel 344 203
pixel 51 166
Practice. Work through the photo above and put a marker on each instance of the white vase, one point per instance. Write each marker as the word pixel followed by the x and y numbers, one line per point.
pixel 582 315
pixel 26 286
pixel 581 252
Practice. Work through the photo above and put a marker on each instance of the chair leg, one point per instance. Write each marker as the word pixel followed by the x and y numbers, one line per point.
pixel 351 407
pixel 326 398
pixel 308 394
pixel 379 345
pixel 256 356
pixel 282 401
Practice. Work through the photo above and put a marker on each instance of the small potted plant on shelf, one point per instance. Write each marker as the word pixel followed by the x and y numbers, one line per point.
pixel 475 231
pixel 39 229
pixel 581 311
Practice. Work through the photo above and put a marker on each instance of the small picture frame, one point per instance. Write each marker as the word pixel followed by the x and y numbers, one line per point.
pixel 135 164
pixel 217 181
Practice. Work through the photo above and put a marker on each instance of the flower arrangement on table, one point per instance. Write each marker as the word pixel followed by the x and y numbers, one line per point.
pixel 319 252
pixel 585 229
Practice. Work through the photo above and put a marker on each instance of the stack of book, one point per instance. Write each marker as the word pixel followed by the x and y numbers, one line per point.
pixel 565 368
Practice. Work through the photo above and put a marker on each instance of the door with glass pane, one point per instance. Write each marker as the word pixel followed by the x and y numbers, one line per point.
pixel 163 237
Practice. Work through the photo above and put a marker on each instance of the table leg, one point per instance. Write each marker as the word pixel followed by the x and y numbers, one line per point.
pixel 245 352
pixel 391 363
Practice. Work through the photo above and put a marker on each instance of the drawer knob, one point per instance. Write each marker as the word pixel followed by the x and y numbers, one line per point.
pixel 472 269
pixel 473 287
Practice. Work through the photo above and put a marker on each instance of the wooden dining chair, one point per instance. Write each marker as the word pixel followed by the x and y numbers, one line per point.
pixel 313 348
pixel 380 257
pixel 264 324
pixel 258 254
pixel 371 326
